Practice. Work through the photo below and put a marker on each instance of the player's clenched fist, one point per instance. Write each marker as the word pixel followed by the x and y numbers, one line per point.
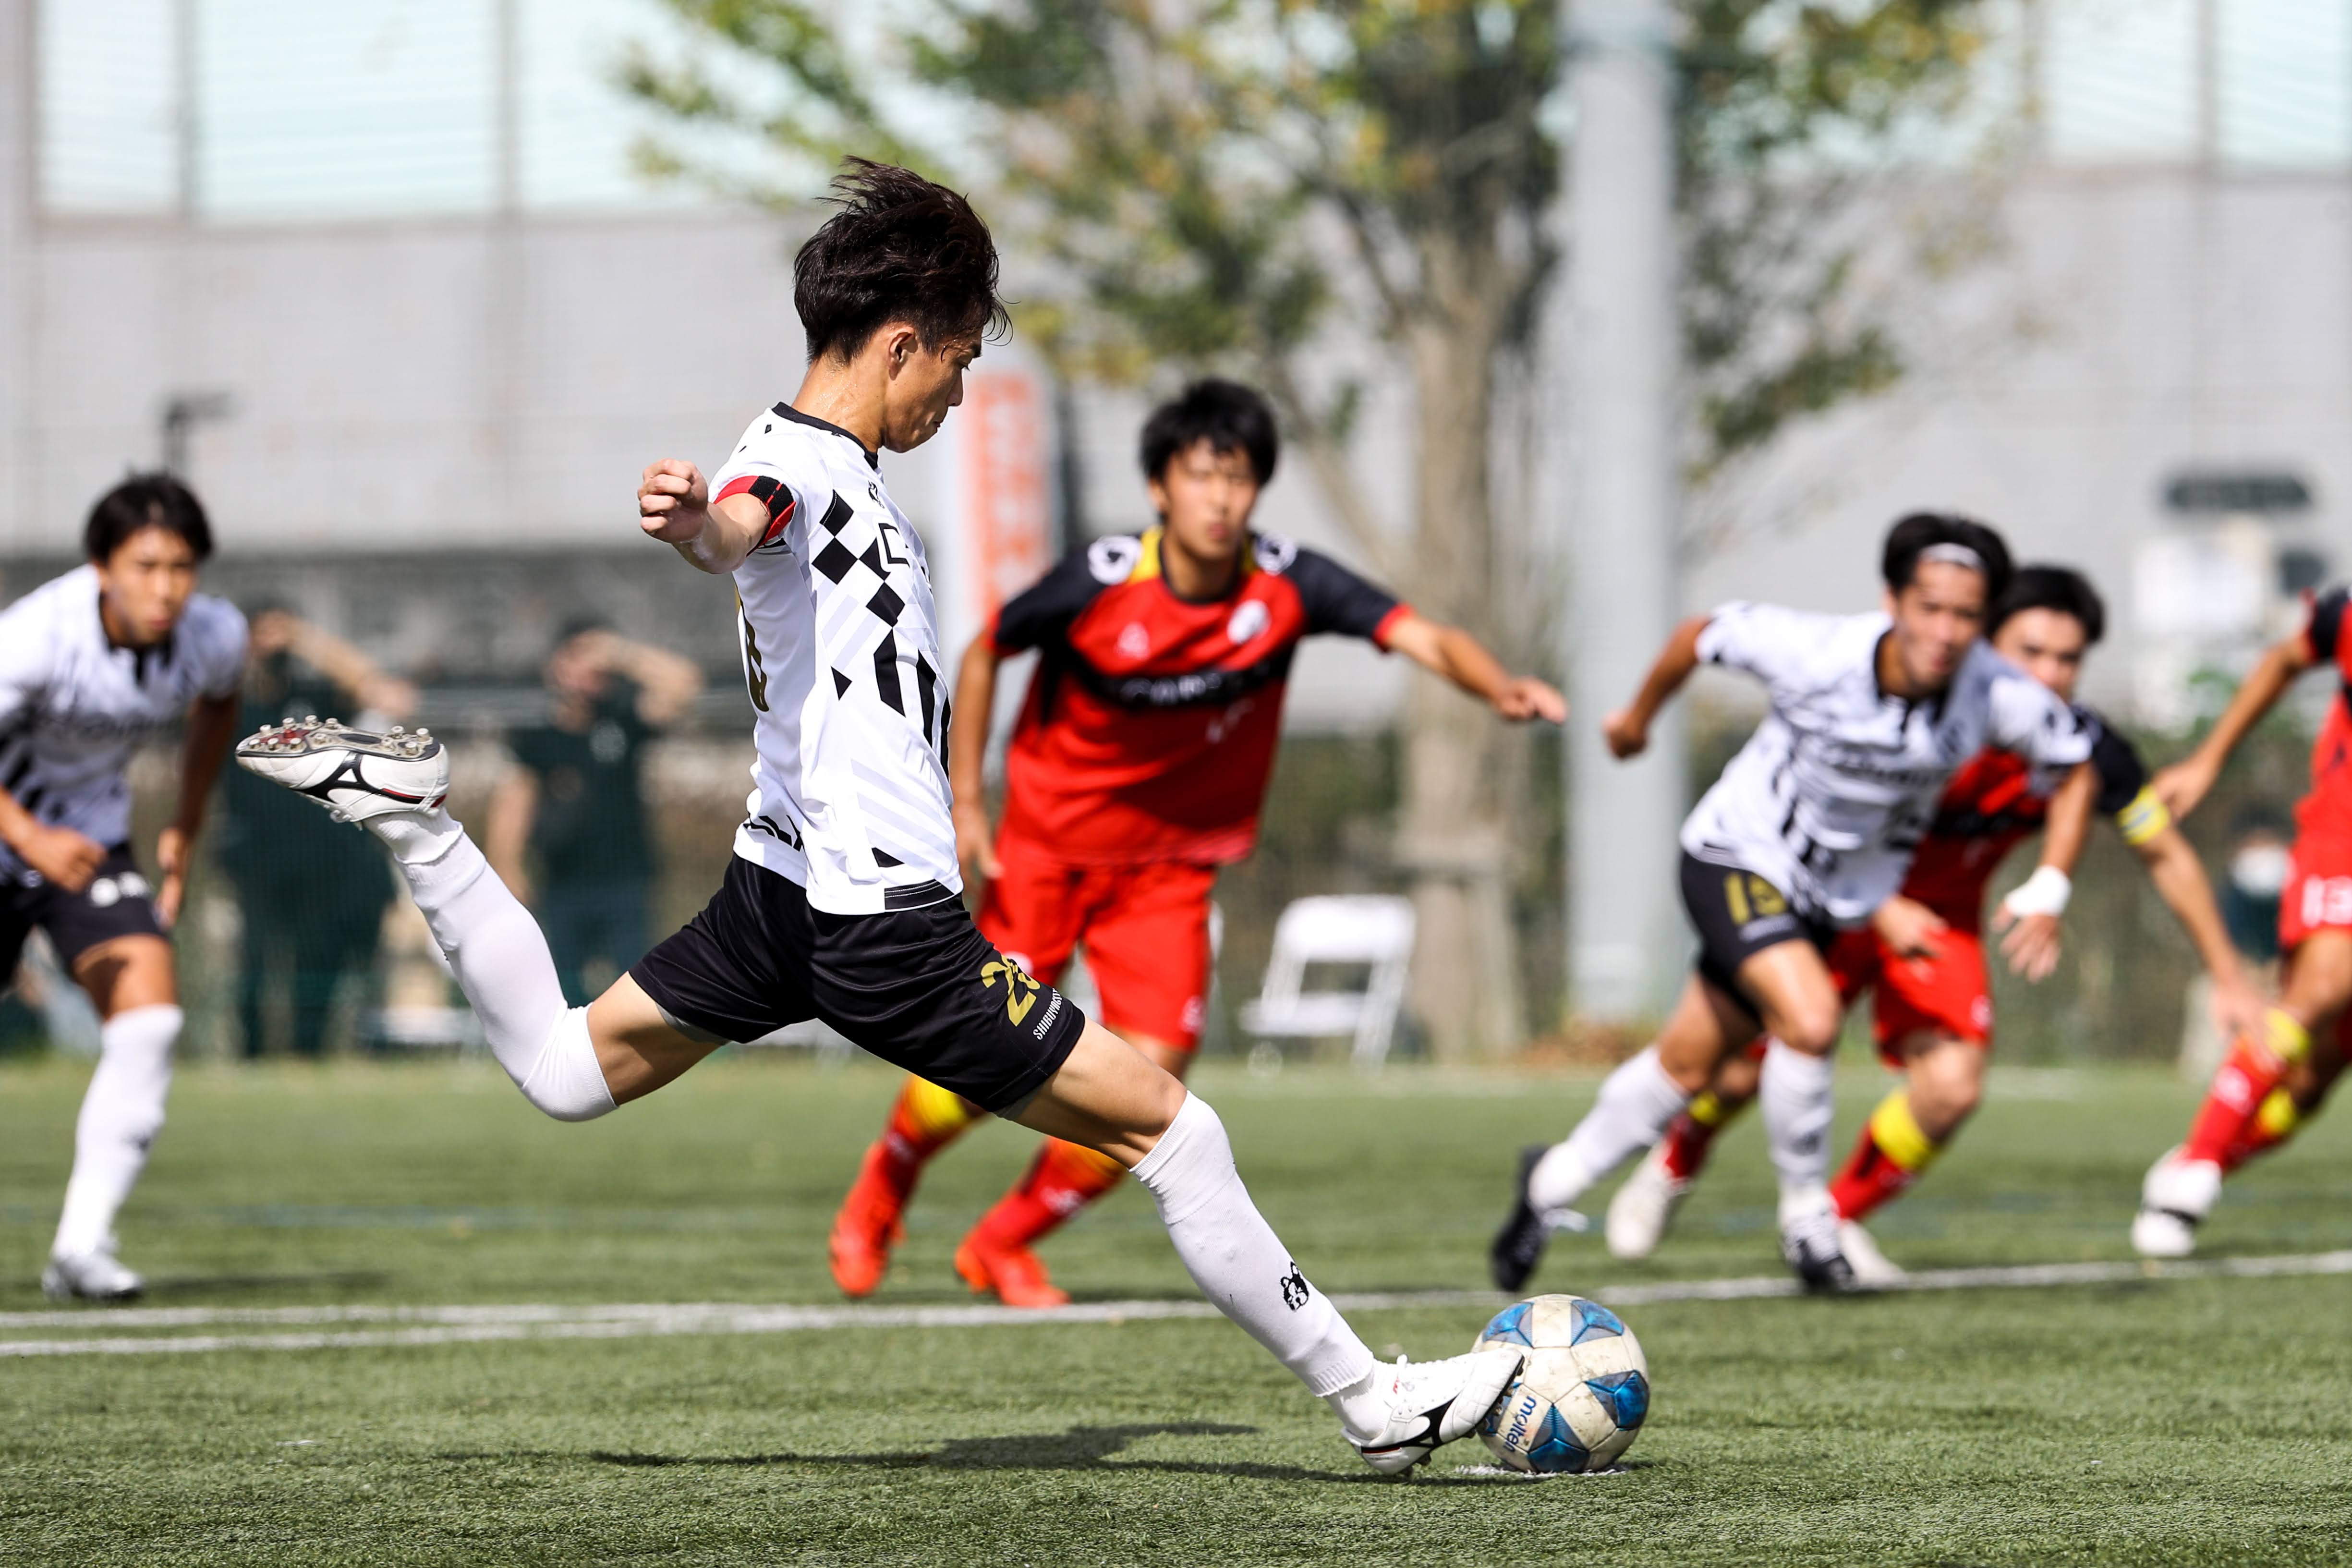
pixel 673 502
pixel 1627 732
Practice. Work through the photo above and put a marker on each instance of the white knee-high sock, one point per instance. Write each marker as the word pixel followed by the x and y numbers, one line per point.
pixel 501 963
pixel 1239 1263
pixel 1636 1104
pixel 121 1115
pixel 1798 1094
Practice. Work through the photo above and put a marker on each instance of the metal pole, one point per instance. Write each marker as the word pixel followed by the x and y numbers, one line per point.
pixel 1626 942
pixel 187 122
pixel 19 199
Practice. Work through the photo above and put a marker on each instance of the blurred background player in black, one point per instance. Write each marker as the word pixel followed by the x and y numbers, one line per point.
pixel 566 829
pixel 312 901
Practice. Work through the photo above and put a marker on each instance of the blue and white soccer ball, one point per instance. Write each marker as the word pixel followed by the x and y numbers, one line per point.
pixel 1581 1395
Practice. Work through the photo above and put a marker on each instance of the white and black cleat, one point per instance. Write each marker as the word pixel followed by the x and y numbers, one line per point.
pixel 1432 1403
pixel 1519 1245
pixel 2174 1200
pixel 1643 1209
pixel 354 774
pixel 1873 1270
pixel 90 1277
pixel 1813 1248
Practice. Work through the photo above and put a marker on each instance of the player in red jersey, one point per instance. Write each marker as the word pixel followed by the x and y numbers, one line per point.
pixel 1934 1010
pixel 2275 1075
pixel 1137 769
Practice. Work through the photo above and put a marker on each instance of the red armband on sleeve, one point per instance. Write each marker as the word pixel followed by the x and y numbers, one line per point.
pixel 1389 622
pixel 770 492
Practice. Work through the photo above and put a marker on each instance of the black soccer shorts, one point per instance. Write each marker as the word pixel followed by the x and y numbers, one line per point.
pixel 117 902
pixel 1738 914
pixel 921 988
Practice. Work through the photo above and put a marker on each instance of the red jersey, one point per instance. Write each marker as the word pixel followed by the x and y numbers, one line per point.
pixel 1997 798
pixel 2328 809
pixel 1150 729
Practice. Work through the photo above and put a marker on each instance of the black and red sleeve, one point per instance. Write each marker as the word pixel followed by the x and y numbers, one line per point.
pixel 1041 614
pixel 2122 773
pixel 1337 600
pixel 2326 627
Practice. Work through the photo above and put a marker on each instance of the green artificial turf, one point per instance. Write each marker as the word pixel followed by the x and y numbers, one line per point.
pixel 2187 1421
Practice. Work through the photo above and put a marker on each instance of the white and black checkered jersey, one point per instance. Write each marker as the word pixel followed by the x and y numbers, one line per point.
pixel 1830 796
pixel 73 706
pixel 841 653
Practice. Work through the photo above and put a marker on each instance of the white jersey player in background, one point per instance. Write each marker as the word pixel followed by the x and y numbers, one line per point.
pixel 841 900
pixel 1810 831
pixel 92 664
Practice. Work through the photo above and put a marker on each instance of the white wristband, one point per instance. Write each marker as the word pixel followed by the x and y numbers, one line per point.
pixel 2043 893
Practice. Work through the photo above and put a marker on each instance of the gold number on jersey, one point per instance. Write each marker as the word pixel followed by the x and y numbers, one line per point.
pixel 755 673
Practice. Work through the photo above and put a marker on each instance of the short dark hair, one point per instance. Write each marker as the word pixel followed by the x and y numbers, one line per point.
pixel 1228 416
pixel 2043 586
pixel 897 247
pixel 1912 537
pixel 144 501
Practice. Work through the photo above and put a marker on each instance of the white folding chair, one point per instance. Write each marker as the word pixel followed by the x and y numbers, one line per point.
pixel 1372 930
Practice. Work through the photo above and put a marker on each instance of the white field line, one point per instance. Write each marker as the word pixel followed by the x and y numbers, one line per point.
pixel 339 1328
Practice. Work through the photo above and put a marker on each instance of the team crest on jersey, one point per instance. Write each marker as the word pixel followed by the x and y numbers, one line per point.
pixel 1020 990
pixel 1275 553
pixel 1248 620
pixel 1112 560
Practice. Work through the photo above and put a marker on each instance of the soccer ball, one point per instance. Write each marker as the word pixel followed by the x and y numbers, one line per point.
pixel 1581 1395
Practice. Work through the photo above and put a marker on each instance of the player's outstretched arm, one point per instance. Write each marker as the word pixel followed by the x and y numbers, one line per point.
pixel 2028 915
pixel 1627 731
pixel 212 728
pixel 1463 659
pixel 668 683
pixel 674 505
pixel 975 701
pixel 2182 785
pixel 357 675
pixel 2180 881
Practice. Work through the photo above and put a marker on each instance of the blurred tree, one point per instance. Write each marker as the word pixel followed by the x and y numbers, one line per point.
pixel 1238 183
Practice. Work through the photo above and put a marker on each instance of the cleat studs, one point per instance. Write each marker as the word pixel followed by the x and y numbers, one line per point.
pixel 310 717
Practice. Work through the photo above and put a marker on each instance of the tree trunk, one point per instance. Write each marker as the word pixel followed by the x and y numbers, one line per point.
pixel 1453 835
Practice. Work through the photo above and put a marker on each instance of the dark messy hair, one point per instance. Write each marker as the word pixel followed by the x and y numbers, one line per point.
pixel 896 249
pixel 2047 588
pixel 142 501
pixel 1913 536
pixel 1229 416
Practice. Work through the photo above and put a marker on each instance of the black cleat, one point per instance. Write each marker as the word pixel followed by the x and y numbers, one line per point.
pixel 1520 1245
pixel 1810 1243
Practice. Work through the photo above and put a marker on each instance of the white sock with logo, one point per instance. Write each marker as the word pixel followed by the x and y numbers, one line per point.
pixel 1636 1103
pixel 1799 1097
pixel 121 1115
pixel 1238 1262
pixel 501 962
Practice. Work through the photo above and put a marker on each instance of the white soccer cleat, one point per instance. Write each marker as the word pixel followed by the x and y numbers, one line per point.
pixel 354 773
pixel 1811 1243
pixel 90 1277
pixel 1871 1267
pixel 1432 1403
pixel 1643 1209
pixel 2174 1200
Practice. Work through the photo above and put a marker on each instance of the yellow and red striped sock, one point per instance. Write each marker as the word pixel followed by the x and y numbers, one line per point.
pixel 1692 1134
pixel 1063 1179
pixel 924 1120
pixel 1888 1157
pixel 2242 1086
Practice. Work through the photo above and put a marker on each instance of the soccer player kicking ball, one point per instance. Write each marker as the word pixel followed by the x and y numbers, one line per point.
pixel 841 902
pixel 1809 831
pixel 91 664
pixel 1933 1011
pixel 2277 1074
pixel 1138 769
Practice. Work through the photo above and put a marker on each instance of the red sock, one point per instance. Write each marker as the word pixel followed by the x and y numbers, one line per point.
pixel 1888 1157
pixel 1693 1134
pixel 2272 1124
pixel 924 1120
pixel 2243 1084
pixel 1062 1180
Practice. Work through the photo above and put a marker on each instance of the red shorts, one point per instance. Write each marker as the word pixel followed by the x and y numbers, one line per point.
pixel 2318 892
pixel 1949 993
pixel 1146 930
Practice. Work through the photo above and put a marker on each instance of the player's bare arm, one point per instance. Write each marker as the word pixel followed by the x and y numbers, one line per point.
pixel 1463 659
pixel 1627 729
pixel 2179 878
pixel 673 506
pixel 514 803
pixel 211 730
pixel 975 702
pixel 2028 918
pixel 366 682
pixel 2187 782
pixel 1909 927
pixel 668 683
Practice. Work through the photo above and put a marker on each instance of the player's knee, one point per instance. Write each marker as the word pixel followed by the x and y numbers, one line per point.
pixel 567 1082
pixel 1812 1027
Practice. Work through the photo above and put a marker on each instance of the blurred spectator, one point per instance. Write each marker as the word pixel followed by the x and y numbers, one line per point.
pixel 2258 871
pixel 576 804
pixel 312 892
